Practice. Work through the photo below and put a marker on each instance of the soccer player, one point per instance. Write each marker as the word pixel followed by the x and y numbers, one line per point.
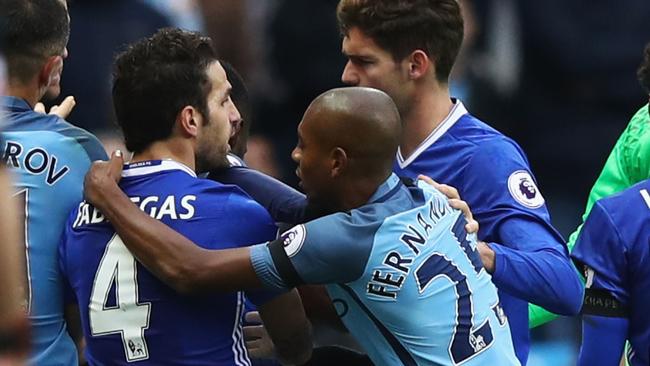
pixel 627 164
pixel 407 48
pixel 172 101
pixel 48 158
pixel 389 252
pixel 613 251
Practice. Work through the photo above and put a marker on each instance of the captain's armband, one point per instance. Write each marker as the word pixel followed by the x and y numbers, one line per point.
pixel 603 303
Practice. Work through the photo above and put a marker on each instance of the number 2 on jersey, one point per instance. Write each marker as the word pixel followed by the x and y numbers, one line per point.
pixel 128 317
pixel 469 339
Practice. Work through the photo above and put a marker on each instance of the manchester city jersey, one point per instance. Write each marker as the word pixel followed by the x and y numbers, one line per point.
pixel 404 276
pixel 49 159
pixel 130 316
pixel 614 249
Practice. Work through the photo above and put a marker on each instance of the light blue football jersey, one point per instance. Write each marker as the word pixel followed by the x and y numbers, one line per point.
pixel 49 159
pixel 404 276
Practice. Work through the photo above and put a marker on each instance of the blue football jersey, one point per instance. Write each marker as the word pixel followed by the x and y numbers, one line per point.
pixel 130 316
pixel 404 276
pixel 49 159
pixel 493 176
pixel 614 248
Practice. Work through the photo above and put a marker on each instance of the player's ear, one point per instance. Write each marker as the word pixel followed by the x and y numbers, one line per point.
pixel 47 70
pixel 189 120
pixel 339 162
pixel 418 64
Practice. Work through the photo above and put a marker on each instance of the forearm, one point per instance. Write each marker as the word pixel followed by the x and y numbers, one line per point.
pixel 545 277
pixel 170 256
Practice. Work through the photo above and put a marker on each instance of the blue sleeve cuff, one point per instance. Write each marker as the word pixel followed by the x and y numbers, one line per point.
pixel 265 268
pixel 499 263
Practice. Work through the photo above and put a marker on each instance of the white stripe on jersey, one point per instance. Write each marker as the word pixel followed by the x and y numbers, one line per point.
pixel 457 111
pixel 238 346
pixel 646 196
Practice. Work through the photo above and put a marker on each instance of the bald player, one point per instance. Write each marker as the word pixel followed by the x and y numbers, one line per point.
pixel 396 258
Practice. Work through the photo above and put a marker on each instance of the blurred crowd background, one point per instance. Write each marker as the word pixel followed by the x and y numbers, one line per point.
pixel 558 76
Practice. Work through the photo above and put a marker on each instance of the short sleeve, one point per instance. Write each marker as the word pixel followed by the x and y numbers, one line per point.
pixel 600 253
pixel 327 250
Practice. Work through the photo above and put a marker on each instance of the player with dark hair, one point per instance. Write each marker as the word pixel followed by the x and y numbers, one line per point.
pixel 389 252
pixel 48 158
pixel 627 164
pixel 172 83
pixel 407 48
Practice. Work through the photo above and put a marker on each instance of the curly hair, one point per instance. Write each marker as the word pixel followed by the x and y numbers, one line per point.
pixel 155 78
pixel 403 26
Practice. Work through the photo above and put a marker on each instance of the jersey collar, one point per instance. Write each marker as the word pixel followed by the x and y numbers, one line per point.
pixel 154 166
pixel 14 104
pixel 457 111
pixel 386 189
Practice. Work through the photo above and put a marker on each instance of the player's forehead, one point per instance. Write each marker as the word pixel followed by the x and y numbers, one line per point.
pixel 357 43
pixel 218 78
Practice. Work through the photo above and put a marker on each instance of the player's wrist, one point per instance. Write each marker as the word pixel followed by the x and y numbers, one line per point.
pixel 488 256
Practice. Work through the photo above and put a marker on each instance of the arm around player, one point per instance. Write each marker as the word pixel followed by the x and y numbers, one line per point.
pixel 188 268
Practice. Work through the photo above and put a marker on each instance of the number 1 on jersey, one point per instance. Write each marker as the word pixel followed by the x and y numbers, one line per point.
pixel 128 318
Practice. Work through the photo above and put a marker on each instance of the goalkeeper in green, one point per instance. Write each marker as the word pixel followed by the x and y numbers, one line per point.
pixel 627 164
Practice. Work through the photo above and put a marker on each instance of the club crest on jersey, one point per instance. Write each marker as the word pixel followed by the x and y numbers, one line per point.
pixel 523 189
pixel 293 239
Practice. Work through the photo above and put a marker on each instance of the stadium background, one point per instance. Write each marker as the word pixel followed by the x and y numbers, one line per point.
pixel 557 75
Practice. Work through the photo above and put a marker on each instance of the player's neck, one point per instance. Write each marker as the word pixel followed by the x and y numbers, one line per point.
pixel 358 191
pixel 30 92
pixel 167 150
pixel 425 114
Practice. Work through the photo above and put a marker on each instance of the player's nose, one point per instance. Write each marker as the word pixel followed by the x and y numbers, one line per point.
pixel 349 75
pixel 296 154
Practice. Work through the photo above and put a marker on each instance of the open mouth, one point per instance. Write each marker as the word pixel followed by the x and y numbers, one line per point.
pixel 299 177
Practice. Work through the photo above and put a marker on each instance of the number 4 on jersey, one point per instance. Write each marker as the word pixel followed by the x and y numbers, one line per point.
pixel 128 318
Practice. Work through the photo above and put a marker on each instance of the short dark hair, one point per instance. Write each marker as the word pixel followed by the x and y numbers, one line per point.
pixel 155 78
pixel 32 30
pixel 403 26
pixel 644 70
